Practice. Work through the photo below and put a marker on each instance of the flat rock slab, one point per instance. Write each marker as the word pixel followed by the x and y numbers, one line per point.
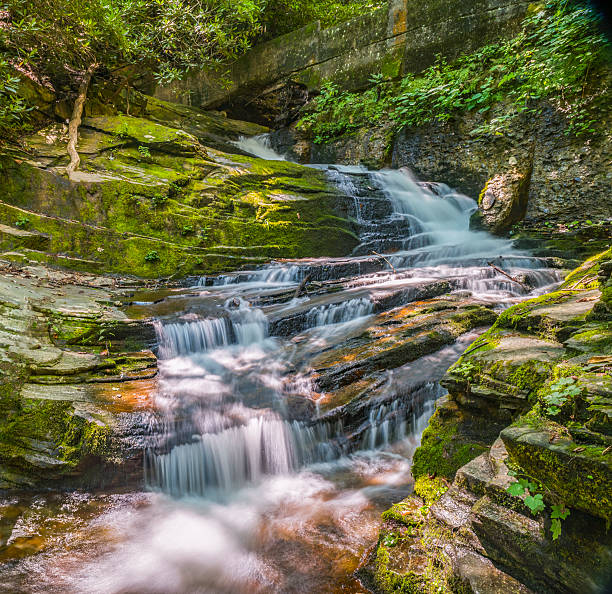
pixel 520 349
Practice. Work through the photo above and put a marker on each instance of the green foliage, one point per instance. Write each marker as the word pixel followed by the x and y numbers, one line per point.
pixel 152 256
pixel 535 503
pixel 525 488
pixel 561 391
pixel 22 222
pixel 558 513
pixel 282 16
pixel 175 35
pixel 159 200
pixel 53 41
pixel 144 151
pixel 557 54
pixel 464 369
pixel 12 107
pixel 335 113
pixel 390 539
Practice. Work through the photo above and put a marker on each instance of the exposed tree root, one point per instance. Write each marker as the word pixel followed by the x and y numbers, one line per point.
pixel 75 121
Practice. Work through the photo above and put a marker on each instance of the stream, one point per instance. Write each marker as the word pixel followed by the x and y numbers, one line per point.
pixel 265 472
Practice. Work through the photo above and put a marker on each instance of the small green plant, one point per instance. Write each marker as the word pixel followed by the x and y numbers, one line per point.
pixel 144 151
pixel 152 256
pixel 391 539
pixel 376 79
pixel 22 222
pixel 104 336
pixel 122 130
pixel 173 189
pixel 464 370
pixel 159 200
pixel 560 392
pixel 187 230
pixel 558 513
pixel 534 501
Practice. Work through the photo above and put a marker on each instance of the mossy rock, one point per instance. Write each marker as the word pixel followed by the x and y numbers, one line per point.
pixel 444 449
pixel 578 475
pixel 146 188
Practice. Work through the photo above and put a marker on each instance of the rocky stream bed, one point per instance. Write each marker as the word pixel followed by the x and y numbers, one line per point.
pixel 241 425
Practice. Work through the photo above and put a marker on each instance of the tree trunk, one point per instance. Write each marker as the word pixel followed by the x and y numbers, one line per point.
pixel 75 121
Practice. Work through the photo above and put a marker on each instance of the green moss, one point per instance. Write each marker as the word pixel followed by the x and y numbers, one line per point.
pixel 391 66
pixel 513 316
pixel 578 476
pixel 483 192
pixel 52 424
pixel 240 211
pixel 387 580
pixel 406 512
pixel 430 489
pixel 443 450
pixel 586 272
pixel 527 377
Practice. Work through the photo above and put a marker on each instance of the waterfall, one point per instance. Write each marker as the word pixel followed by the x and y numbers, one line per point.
pixel 335 313
pixel 177 338
pixel 243 326
pixel 388 422
pixel 225 460
pixel 438 223
pixel 217 463
pixel 273 274
pixel 223 380
pixel 259 146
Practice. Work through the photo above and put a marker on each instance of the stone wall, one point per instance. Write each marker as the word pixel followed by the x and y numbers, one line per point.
pixel 402 37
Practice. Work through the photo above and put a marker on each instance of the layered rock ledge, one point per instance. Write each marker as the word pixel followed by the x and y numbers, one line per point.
pixel 529 401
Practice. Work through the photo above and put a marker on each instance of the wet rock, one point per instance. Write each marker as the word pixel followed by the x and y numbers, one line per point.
pixel 503 201
pixel 580 475
pixel 71 392
pixel 515 374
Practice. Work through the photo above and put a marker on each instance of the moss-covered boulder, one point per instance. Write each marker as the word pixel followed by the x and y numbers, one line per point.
pixel 151 200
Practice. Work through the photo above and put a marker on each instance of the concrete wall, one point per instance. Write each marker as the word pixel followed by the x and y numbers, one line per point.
pixel 402 37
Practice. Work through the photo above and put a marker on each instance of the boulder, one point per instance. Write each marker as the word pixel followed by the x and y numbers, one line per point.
pixel 503 201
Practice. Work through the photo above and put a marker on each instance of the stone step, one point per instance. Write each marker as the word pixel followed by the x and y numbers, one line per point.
pixel 12 239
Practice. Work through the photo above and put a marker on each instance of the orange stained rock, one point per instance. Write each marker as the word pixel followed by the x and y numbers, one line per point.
pixel 128 396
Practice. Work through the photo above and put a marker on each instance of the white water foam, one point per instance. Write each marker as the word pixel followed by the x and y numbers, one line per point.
pixel 259 146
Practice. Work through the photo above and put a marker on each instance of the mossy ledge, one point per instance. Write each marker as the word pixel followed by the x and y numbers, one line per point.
pixel 509 381
pixel 151 200
pixel 76 379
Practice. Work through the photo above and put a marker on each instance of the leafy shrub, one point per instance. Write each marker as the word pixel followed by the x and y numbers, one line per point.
pixel 152 256
pixel 558 53
pixel 12 107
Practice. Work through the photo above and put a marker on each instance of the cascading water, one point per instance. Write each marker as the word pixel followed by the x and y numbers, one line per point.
pixel 255 486
pixel 234 349
pixel 259 146
pixel 324 315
